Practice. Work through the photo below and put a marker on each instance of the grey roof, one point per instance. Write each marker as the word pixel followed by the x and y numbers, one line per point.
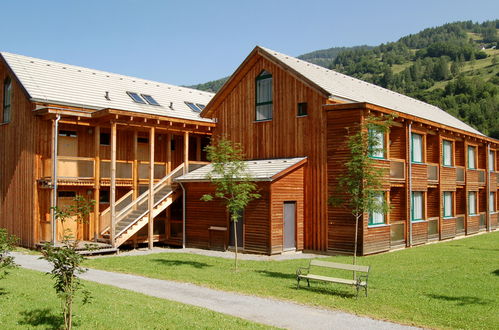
pixel 258 170
pixel 355 90
pixel 57 83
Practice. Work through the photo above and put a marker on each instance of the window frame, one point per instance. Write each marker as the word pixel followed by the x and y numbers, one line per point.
pixel 445 216
pixel 492 202
pixel 7 107
pixel 193 106
pixel 492 160
pixel 422 206
pixel 451 143
pixel 383 214
pixel 472 193
pixel 299 111
pixel 150 100
pixel 413 135
pixel 474 148
pixel 137 98
pixel 383 142
pixel 101 140
pixel 264 75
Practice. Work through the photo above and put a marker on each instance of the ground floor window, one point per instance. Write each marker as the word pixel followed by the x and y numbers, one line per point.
pixel 448 204
pixel 377 218
pixel 417 210
pixel 472 203
pixel 492 202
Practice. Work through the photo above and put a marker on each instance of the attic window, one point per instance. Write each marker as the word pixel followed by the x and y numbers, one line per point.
pixel 195 107
pixel 136 98
pixel 201 106
pixel 149 99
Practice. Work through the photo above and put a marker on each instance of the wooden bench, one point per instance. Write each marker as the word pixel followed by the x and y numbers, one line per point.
pixel 360 281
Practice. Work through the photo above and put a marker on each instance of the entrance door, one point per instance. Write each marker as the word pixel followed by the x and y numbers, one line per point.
pixel 289 225
pixel 70 226
pixel 239 231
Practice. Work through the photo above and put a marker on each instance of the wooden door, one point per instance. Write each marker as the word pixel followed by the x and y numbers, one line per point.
pixel 67 144
pixel 289 230
pixel 70 226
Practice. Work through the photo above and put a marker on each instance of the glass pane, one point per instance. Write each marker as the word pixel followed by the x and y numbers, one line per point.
pixel 447 153
pixel 417 148
pixel 471 157
pixel 447 204
pixel 136 98
pixel 264 90
pixel 193 107
pixel 264 112
pixel 417 205
pixel 150 99
pixel 378 141
pixel 492 206
pixel 472 203
pixel 377 218
pixel 491 161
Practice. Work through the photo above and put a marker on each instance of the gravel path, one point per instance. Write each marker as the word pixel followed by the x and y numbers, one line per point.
pixel 262 310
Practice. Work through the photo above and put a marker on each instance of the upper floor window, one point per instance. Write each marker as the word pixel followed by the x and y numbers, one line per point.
pixel 471 158
pixel 492 163
pixel 7 99
pixel 447 153
pixel 376 143
pixel 417 148
pixel 302 109
pixel 263 96
pixel 377 218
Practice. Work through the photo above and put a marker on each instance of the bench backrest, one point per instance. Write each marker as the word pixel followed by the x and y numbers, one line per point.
pixel 327 264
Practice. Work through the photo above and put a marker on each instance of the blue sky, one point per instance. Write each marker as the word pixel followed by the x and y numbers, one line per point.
pixel 186 42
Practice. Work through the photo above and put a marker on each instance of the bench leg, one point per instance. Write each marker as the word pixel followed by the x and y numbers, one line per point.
pixel 358 288
pixel 365 288
pixel 297 283
pixel 308 283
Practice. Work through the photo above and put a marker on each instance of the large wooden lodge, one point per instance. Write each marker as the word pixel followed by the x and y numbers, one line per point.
pixel 136 147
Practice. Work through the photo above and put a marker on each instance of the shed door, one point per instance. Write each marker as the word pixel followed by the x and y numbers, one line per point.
pixel 289 225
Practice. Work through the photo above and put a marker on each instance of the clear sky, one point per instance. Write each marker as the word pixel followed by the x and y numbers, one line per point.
pixel 185 42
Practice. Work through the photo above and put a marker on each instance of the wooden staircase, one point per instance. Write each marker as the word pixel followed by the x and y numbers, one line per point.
pixel 133 215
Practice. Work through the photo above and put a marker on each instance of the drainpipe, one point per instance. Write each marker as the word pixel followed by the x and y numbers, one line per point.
pixel 54 179
pixel 488 169
pixel 410 183
pixel 183 214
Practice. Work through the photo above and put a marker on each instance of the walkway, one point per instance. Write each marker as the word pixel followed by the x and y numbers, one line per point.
pixel 262 310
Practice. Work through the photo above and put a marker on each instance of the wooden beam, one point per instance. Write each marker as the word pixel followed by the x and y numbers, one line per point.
pixel 135 167
pixel 186 152
pixel 113 183
pixel 150 225
pixel 168 165
pixel 198 148
pixel 96 182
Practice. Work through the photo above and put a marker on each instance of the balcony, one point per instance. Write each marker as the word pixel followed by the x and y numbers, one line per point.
pixel 397 234
pixel 460 224
pixel 481 177
pixel 70 167
pixel 482 221
pixel 432 172
pixel 460 174
pixel 433 228
pixel 397 169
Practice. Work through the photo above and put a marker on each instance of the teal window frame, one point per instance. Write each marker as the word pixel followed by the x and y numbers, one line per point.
pixel 371 214
pixel 492 202
pixel 444 143
pixel 413 135
pixel 264 75
pixel 474 193
pixel 371 132
pixel 451 210
pixel 7 101
pixel 474 158
pixel 492 163
pixel 422 206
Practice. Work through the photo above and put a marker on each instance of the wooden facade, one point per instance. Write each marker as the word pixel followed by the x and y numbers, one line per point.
pixel 320 136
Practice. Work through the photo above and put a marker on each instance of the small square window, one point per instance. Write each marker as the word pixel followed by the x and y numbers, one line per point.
pixel 149 99
pixel 105 139
pixel 136 97
pixel 104 197
pixel 142 140
pixel 173 144
pixel 302 109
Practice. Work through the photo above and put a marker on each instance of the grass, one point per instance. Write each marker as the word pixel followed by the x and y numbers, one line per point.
pixel 27 300
pixel 447 285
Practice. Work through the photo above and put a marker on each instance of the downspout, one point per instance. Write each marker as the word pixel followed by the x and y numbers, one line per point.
pixel 54 179
pixel 183 214
pixel 409 167
pixel 487 217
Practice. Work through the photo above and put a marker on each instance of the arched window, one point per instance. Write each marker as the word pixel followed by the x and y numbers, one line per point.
pixel 7 99
pixel 263 96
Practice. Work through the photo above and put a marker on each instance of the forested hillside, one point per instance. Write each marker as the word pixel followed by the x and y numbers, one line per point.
pixel 454 66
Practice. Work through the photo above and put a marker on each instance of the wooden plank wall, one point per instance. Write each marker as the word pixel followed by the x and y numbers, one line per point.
pixel 398 204
pixel 257 222
pixel 397 144
pixel 286 135
pixel 433 203
pixel 287 189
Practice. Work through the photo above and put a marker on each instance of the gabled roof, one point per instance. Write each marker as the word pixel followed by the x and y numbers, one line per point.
pixel 57 83
pixel 351 90
pixel 258 170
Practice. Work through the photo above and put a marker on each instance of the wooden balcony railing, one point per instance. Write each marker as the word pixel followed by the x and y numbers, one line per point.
pixel 482 220
pixel 433 227
pixel 70 167
pixel 397 235
pixel 460 174
pixel 397 169
pixel 432 172
pixel 460 224
pixel 123 169
pixel 481 176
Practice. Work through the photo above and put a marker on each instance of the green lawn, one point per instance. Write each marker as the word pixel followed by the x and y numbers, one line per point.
pixel 453 284
pixel 27 301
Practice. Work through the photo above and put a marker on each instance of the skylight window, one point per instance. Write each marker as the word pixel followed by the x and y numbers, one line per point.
pixel 149 99
pixel 194 107
pixel 136 98
pixel 201 106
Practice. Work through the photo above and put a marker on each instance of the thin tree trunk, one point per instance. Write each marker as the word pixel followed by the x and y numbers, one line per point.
pixel 235 242
pixel 355 247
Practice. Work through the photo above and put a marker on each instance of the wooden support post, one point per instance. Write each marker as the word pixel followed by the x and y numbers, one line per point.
pixel 135 167
pixel 186 152
pixel 113 183
pixel 96 182
pixel 168 165
pixel 198 148
pixel 150 225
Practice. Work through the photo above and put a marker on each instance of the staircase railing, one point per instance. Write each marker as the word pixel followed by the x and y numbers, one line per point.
pixel 105 216
pixel 144 198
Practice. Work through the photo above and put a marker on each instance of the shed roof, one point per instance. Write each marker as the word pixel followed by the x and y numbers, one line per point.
pixel 258 170
pixel 57 83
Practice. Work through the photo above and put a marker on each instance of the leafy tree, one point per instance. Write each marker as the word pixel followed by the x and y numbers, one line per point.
pixel 233 183
pixel 66 260
pixel 358 187
pixel 7 244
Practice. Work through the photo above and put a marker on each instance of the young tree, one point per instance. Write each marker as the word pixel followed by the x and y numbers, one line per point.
pixel 234 185
pixel 359 187
pixel 66 260
pixel 7 244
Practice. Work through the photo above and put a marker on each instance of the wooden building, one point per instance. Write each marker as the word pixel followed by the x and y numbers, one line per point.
pixel 441 174
pixel 67 131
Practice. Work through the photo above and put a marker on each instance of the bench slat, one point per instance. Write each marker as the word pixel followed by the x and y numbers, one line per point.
pixel 335 265
pixel 331 279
